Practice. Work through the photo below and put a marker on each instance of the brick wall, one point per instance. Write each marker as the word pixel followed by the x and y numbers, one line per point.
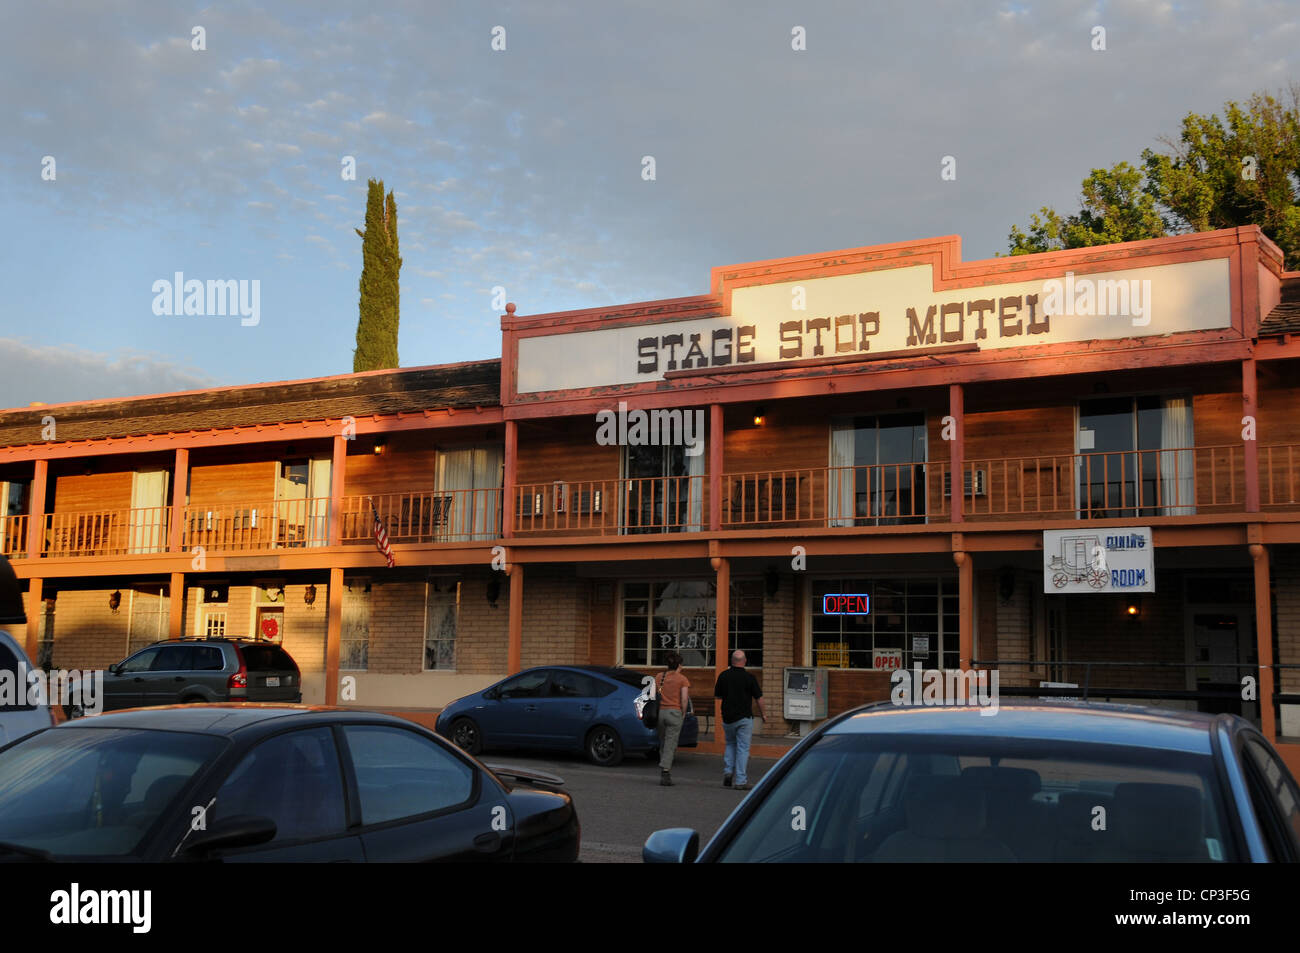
pixel 87 634
pixel 557 623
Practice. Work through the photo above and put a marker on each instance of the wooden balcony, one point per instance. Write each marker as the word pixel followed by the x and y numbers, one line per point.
pixel 612 507
pixel 430 516
pixel 13 536
pixel 257 525
pixel 106 532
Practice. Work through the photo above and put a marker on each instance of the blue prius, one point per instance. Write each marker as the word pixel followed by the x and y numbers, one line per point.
pixel 584 708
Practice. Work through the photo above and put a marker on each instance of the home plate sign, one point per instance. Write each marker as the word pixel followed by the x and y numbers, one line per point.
pixel 1114 559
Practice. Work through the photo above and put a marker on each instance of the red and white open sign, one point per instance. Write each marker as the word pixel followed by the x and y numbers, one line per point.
pixel 846 603
pixel 886 660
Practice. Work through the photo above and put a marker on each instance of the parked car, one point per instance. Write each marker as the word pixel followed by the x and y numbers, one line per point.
pixel 585 708
pixel 242 783
pixel 184 671
pixel 1037 782
pixel 20 712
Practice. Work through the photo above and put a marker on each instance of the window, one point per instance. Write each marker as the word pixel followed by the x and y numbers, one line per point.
pixel 565 684
pixel 468 482
pixel 527 685
pixel 661 617
pixel 401 774
pixel 294 779
pixel 354 640
pixel 907 614
pixel 1276 800
pixel 140 662
pixel 1136 457
pixel 663 490
pixel 441 614
pixel 213 603
pixel 13 503
pixel 877 475
pixel 173 658
pixel 910 797
pixel 208 658
pixel 150 616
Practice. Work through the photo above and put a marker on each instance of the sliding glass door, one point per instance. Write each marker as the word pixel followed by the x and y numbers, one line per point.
pixel 1135 457
pixel 877 473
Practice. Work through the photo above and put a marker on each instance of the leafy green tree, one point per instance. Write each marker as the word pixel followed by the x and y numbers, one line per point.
pixel 1243 169
pixel 1115 209
pixel 381 267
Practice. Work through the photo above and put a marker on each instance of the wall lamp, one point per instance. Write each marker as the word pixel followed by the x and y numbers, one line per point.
pixel 114 600
pixel 760 417
pixel 1133 609
pixel 379 447
pixel 493 592
pixel 309 595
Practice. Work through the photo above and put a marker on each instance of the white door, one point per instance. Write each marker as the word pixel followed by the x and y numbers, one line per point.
pixel 149 511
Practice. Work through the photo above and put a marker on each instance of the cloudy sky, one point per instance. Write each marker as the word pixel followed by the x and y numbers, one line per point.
pixel 522 168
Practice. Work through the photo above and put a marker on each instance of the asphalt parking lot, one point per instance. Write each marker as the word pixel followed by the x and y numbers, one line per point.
pixel 620 807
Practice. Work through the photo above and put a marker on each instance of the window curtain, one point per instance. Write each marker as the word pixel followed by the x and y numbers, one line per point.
pixel 148 529
pixel 1177 460
pixel 318 500
pixel 470 478
pixel 695 472
pixel 839 479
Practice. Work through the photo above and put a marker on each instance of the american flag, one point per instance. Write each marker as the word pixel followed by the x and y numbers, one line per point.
pixel 381 537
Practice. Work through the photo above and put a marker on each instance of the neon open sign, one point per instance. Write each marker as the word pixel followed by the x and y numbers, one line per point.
pixel 846 603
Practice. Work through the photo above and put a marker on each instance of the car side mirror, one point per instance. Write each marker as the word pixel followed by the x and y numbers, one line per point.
pixel 675 845
pixel 242 830
pixel 492 694
pixel 115 668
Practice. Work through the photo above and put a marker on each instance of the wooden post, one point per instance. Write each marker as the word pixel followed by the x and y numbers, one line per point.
pixel 1250 455
pixel 965 604
pixel 180 488
pixel 715 438
pixel 35 610
pixel 36 519
pixel 338 476
pixel 333 636
pixel 515 636
pixel 721 640
pixel 176 603
pixel 508 480
pixel 1264 640
pixel 957 452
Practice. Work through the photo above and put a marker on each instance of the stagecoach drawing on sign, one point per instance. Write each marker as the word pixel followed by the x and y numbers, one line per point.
pixel 1074 564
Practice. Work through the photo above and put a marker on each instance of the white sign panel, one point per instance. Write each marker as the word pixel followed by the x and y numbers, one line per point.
pixel 885 311
pixel 886 660
pixel 1091 559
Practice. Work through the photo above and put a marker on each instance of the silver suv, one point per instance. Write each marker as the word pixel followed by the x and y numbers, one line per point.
pixel 201 670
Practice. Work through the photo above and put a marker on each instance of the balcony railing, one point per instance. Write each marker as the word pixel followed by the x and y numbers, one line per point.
pixel 13 535
pixel 264 524
pixel 440 516
pixel 1123 485
pixel 107 532
pixel 611 507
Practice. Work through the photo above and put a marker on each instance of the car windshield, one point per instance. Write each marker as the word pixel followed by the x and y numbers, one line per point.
pixel 95 792
pixel 873 798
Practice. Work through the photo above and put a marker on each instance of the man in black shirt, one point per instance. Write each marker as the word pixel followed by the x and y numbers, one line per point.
pixel 738 690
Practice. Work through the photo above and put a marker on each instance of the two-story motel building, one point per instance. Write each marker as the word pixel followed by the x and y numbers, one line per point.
pixel 822 410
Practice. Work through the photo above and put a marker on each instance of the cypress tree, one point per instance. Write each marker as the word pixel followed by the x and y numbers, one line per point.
pixel 381 267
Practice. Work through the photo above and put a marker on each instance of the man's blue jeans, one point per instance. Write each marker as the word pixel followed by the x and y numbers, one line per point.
pixel 735 757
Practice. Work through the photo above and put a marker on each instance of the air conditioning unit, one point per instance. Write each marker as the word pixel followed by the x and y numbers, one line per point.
pixel 976 478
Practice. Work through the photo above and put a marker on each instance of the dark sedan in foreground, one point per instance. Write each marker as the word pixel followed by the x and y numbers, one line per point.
pixel 245 782
pixel 1037 782
pixel 570 708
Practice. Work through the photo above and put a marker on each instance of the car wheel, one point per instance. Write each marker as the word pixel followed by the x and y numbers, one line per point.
pixel 465 733
pixel 604 747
